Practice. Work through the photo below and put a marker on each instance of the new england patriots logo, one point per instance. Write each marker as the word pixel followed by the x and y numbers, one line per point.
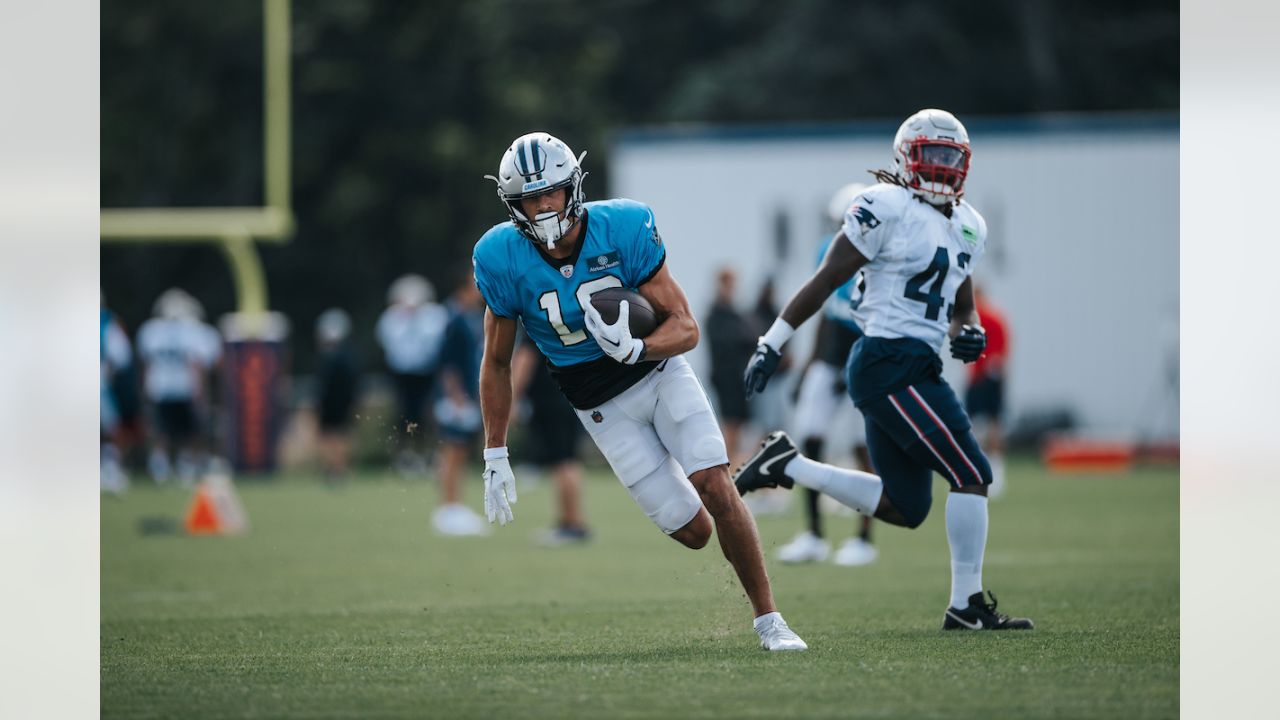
pixel 866 220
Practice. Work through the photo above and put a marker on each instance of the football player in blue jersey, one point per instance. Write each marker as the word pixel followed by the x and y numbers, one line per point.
pixel 916 241
pixel 638 398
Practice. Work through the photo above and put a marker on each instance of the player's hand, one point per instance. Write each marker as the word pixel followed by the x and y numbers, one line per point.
pixel 969 344
pixel 615 340
pixel 499 486
pixel 761 367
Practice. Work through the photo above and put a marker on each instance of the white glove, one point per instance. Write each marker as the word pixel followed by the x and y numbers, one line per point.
pixel 615 340
pixel 499 484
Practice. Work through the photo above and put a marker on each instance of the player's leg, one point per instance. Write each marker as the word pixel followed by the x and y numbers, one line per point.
pixel 983 402
pixel 933 413
pixel 859 549
pixel 623 430
pixel 567 477
pixel 554 428
pixel 687 427
pixel 816 403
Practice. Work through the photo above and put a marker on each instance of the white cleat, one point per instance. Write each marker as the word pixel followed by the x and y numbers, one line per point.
pixel 458 520
pixel 854 552
pixel 804 548
pixel 775 636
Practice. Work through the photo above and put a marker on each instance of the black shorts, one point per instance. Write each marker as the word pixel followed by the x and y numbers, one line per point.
pixel 915 424
pixel 985 398
pixel 176 419
pixel 731 399
pixel 412 392
pixel 335 413
pixel 554 430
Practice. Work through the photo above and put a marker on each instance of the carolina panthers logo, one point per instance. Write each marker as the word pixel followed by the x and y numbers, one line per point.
pixel 866 220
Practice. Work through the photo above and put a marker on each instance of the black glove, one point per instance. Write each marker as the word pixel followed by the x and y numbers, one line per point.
pixel 762 366
pixel 969 344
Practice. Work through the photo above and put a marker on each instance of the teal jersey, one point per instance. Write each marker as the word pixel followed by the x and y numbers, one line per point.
pixel 620 247
pixel 846 298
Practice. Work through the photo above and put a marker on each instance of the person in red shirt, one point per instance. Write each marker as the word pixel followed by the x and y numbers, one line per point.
pixel 984 399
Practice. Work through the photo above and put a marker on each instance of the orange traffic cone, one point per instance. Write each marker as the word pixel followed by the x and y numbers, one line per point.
pixel 215 509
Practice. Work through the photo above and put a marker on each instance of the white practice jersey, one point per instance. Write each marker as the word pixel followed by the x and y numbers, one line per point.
pixel 176 354
pixel 412 337
pixel 918 259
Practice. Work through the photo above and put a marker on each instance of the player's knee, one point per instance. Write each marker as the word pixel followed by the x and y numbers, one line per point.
pixel 696 533
pixel 973 489
pixel 716 489
pixel 908 512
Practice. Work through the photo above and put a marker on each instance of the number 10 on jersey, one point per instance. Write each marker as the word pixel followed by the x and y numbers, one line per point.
pixel 550 303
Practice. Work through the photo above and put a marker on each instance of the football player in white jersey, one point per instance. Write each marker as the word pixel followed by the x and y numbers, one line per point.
pixel 917 242
pixel 178 351
pixel 638 398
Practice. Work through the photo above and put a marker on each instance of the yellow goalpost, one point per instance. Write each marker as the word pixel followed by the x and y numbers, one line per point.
pixel 235 229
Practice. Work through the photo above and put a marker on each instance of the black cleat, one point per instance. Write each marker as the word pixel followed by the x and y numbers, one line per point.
pixel 981 615
pixel 764 469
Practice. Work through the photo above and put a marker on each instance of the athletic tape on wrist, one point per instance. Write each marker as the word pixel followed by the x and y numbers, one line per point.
pixel 497 453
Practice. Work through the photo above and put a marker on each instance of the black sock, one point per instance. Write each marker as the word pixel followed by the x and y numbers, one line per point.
pixel 813 451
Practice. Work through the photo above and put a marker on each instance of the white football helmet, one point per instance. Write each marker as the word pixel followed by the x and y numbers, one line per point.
pixel 412 290
pixel 177 304
pixel 931 156
pixel 842 200
pixel 333 326
pixel 534 164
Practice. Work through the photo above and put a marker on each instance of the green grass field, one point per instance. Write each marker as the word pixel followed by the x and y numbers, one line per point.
pixel 344 604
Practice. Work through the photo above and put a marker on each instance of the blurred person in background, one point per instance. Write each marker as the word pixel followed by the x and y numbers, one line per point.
pixel 337 386
pixel 178 351
pixel 115 356
pixel 457 410
pixel 984 398
pixel 917 243
pixel 822 390
pixel 730 341
pixel 770 408
pixel 638 398
pixel 553 433
pixel 411 333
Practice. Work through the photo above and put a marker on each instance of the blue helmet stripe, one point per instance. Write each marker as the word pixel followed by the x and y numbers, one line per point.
pixel 522 162
pixel 537 160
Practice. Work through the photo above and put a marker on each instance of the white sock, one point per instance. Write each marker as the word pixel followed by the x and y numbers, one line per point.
pixel 859 490
pixel 967 535
pixel 765 618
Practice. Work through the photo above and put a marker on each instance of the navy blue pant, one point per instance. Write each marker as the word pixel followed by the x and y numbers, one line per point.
pixel 917 431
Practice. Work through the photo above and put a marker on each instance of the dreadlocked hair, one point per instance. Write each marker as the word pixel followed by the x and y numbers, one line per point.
pixel 885 176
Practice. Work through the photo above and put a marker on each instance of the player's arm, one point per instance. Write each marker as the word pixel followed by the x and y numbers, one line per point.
pixel 839 265
pixel 677 330
pixel 495 378
pixel 495 407
pixel 964 309
pixel 968 339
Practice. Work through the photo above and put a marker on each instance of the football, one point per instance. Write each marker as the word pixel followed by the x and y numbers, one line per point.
pixel 643 319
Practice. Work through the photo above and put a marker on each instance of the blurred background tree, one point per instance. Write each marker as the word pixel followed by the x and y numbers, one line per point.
pixel 400 108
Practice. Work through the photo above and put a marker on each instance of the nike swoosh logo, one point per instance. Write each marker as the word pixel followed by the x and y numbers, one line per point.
pixel 649 222
pixel 975 625
pixel 868 200
pixel 764 469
